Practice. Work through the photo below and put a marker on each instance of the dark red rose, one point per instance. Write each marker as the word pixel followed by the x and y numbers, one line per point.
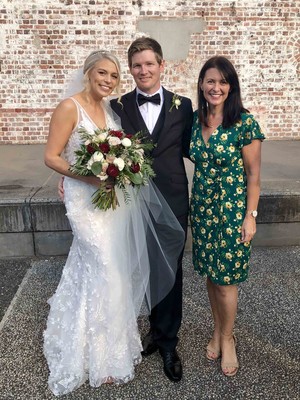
pixel 118 134
pixel 104 147
pixel 112 170
pixel 135 168
pixel 90 149
pixel 129 136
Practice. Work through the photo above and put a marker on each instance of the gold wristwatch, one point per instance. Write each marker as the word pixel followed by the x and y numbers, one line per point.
pixel 253 213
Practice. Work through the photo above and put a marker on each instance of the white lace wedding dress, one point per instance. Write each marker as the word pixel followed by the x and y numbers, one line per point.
pixel 92 331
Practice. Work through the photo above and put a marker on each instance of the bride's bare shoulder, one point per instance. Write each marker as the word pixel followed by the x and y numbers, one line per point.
pixel 67 107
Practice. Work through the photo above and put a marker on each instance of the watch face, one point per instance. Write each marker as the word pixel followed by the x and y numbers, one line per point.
pixel 254 213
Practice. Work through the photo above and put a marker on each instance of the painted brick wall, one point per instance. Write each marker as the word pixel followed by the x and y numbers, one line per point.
pixel 42 42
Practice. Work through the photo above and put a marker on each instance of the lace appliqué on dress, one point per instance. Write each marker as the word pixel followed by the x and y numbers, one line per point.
pixel 91 330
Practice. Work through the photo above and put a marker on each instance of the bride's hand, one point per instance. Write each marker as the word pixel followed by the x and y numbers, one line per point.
pixel 108 184
pixel 92 180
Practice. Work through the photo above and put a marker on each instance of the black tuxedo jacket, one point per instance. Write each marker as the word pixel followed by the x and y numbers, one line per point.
pixel 171 134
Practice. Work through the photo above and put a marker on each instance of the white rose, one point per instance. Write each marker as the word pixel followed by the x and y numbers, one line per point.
pixel 114 141
pixel 87 142
pixel 98 156
pixel 119 162
pixel 95 157
pixel 89 164
pixel 126 142
pixel 102 136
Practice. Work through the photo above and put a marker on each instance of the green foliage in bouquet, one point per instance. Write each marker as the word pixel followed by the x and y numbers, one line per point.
pixel 117 159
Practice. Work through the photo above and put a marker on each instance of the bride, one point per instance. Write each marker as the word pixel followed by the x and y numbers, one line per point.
pixel 92 332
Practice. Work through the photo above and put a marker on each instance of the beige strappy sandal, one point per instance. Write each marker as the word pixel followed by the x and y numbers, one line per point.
pixel 234 365
pixel 209 351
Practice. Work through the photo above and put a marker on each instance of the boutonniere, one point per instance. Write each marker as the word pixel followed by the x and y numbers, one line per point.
pixel 176 102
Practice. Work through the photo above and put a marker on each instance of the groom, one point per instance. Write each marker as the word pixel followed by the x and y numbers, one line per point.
pixel 168 119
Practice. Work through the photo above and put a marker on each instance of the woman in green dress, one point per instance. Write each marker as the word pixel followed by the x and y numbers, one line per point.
pixel 226 149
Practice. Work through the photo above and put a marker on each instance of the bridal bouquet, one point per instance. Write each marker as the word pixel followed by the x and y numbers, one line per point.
pixel 117 159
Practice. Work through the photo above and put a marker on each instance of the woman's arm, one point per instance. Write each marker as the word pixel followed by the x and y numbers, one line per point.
pixel 252 161
pixel 63 121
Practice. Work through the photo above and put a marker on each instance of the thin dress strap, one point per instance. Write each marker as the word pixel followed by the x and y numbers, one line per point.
pixel 83 114
pixel 79 112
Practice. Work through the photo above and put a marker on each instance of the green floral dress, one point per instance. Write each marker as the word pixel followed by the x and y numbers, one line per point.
pixel 218 201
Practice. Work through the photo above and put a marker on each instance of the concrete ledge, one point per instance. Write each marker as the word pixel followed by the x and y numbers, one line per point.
pixel 280 208
pixel 47 232
pixel 15 217
pixel 50 214
pixel 268 235
pixel 17 244
pixel 52 243
pixel 49 217
pixel 277 234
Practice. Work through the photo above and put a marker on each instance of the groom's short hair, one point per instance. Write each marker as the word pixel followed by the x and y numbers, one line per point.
pixel 145 43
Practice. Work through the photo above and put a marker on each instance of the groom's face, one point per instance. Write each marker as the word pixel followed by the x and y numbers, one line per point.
pixel 146 71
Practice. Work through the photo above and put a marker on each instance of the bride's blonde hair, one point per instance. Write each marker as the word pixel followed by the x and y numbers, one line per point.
pixel 96 56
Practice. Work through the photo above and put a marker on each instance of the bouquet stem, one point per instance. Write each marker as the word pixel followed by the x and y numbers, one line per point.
pixel 105 198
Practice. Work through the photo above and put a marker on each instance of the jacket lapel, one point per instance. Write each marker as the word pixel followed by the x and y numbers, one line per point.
pixel 167 105
pixel 132 112
pixel 159 125
pixel 165 119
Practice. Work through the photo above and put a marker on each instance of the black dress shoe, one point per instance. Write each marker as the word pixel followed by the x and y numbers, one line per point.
pixel 149 346
pixel 172 365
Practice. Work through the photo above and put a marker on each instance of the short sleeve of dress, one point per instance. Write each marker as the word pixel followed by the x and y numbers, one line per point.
pixel 250 130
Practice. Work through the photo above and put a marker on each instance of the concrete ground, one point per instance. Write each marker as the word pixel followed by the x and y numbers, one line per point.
pixel 267 330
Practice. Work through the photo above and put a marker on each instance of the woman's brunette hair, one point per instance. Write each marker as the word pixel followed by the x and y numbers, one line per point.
pixel 233 106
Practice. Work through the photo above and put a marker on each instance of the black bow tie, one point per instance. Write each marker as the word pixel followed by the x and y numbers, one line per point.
pixel 153 99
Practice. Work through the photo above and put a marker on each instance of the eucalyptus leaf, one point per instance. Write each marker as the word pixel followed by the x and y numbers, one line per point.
pixel 96 167
pixel 135 178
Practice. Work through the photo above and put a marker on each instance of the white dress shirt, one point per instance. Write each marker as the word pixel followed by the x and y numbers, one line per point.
pixel 150 111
